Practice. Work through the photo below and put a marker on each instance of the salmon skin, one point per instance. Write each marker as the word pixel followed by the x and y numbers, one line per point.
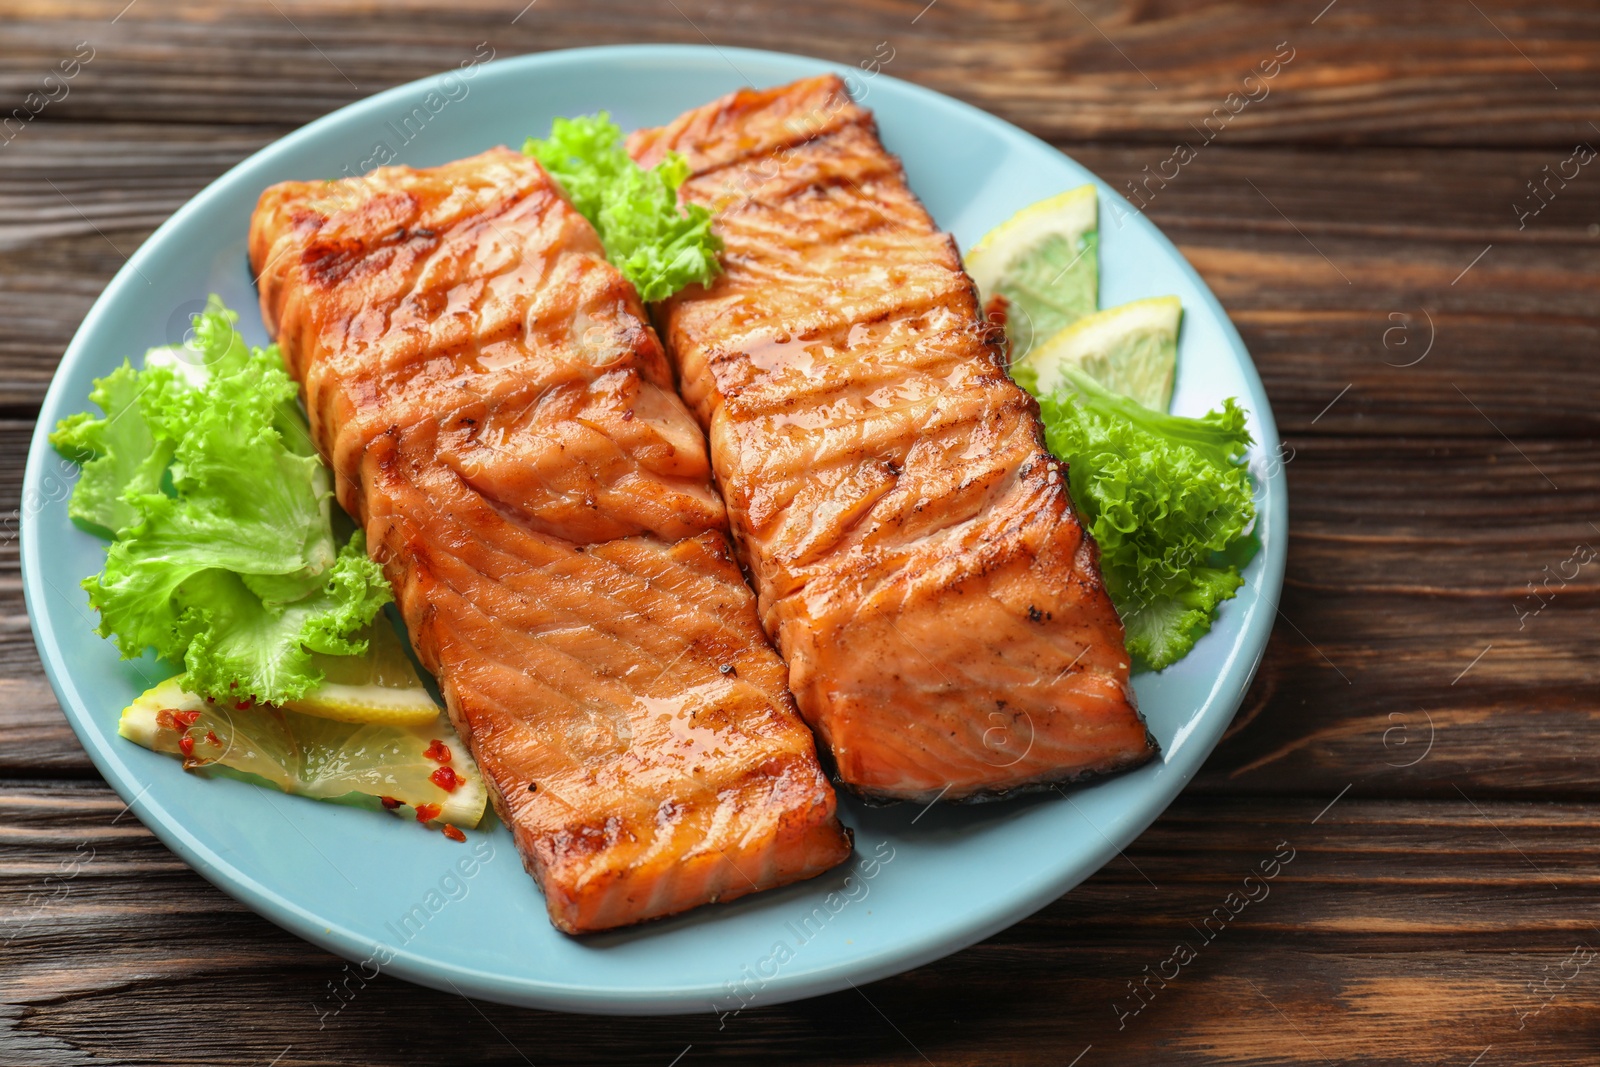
pixel 501 419
pixel 913 545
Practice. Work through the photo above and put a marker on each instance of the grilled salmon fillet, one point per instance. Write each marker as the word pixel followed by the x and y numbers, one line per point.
pixel 501 419
pixel 913 545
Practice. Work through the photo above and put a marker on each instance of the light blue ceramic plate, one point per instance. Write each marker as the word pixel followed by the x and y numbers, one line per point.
pixel 376 889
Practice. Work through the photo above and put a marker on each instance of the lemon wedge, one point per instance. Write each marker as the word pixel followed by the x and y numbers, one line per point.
pixel 1044 261
pixel 1130 349
pixel 380 687
pixel 422 768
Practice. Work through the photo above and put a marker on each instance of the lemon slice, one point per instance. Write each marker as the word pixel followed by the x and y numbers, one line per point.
pixel 1045 261
pixel 1130 349
pixel 425 769
pixel 380 687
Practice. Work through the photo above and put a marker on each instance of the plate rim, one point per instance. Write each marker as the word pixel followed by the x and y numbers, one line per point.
pixel 1217 712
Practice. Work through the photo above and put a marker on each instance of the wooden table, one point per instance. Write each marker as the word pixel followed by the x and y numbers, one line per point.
pixel 1424 735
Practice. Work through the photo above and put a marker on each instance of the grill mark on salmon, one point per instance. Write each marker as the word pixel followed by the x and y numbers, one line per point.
pixel 500 417
pixel 913 545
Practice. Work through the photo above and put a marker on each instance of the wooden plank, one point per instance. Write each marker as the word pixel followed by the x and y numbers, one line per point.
pixel 74 203
pixel 1396 585
pixel 1390 933
pixel 1410 656
pixel 34 737
pixel 1392 292
pixel 1360 71
pixel 1437 332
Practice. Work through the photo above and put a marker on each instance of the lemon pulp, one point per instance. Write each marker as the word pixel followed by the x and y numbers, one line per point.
pixel 424 768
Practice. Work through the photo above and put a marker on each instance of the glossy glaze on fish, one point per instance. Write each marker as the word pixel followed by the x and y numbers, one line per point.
pixel 914 548
pixel 501 419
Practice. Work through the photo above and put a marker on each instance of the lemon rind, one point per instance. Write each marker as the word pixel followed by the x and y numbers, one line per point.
pixel 383 705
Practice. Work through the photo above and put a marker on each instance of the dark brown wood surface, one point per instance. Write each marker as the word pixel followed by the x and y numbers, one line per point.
pixel 1427 746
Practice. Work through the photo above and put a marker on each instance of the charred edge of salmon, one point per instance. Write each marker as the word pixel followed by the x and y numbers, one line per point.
pixel 1076 779
pixel 591 934
pixel 833 108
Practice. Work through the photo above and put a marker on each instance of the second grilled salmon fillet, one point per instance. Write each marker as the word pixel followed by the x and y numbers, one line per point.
pixel 916 554
pixel 501 419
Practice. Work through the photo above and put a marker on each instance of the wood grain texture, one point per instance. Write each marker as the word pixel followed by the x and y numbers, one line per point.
pixel 1365 71
pixel 1422 738
pixel 1392 933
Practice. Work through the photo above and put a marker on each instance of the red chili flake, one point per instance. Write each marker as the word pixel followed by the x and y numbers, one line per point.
pixel 453 834
pixel 165 720
pixel 245 705
pixel 186 718
pixel 445 778
pixel 186 746
pixel 212 737
pixel 439 752
pixel 390 802
pixel 627 416
pixel 426 813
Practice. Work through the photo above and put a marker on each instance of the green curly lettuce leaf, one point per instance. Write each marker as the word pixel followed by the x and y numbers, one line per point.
pixel 115 452
pixel 1167 498
pixel 223 554
pixel 240 636
pixel 658 246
